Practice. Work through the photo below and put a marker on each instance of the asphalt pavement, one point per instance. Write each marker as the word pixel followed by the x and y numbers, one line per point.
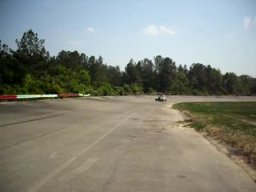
pixel 110 144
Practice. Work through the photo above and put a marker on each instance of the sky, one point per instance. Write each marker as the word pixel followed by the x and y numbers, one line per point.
pixel 220 33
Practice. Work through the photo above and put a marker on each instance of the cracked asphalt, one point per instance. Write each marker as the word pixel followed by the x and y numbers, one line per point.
pixel 113 144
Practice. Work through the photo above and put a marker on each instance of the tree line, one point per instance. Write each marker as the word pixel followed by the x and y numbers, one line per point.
pixel 31 69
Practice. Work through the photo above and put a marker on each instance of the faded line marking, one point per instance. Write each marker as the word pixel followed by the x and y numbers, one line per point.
pixel 67 163
pixel 37 118
pixel 52 133
pixel 87 165
pixel 53 155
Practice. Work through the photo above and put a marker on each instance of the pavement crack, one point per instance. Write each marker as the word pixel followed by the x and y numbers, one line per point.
pixel 55 172
pixel 42 117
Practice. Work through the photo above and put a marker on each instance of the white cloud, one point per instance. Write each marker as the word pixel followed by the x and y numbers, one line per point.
pixel 90 29
pixel 249 22
pixel 158 30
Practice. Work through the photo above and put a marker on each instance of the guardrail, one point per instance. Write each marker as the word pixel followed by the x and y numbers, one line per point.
pixel 41 96
pixel 8 97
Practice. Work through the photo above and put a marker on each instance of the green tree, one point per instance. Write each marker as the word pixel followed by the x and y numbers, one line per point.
pixel 84 77
pixel 180 85
pixel 105 89
pixel 97 70
pixel 231 83
pixel 246 85
pixel 148 75
pixel 215 82
pixel 31 85
pixel 31 52
pixel 166 73
pixel 136 89
pixel 198 78
pixel 131 73
pixel 114 76
pixel 11 71
pixel 72 60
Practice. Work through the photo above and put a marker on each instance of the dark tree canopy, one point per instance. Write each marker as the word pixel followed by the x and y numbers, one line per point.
pixel 30 47
pixel 30 69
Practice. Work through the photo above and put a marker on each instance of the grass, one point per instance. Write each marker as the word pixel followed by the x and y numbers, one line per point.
pixel 233 123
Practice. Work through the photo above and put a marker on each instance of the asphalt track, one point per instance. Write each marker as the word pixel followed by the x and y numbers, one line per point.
pixel 114 144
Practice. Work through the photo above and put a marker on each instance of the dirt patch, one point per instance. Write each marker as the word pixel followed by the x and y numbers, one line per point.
pixel 239 148
pixel 233 154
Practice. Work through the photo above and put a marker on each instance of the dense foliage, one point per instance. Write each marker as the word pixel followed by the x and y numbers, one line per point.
pixel 30 69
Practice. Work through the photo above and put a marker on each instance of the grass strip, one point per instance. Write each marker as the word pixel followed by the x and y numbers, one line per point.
pixel 233 123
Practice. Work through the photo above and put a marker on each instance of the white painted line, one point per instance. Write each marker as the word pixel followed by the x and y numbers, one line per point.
pixel 68 162
pixel 84 167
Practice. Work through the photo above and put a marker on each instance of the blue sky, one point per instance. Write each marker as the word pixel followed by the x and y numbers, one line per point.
pixel 221 33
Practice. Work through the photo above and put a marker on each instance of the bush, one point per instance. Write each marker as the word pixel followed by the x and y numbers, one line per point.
pixel 136 89
pixel 105 90
pixel 119 90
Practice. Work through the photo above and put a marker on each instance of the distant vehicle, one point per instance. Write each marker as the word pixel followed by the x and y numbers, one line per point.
pixel 161 98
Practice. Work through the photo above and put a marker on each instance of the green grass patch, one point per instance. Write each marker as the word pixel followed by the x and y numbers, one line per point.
pixel 231 122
